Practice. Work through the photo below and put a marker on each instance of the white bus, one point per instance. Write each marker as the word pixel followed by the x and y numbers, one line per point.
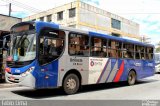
pixel 46 55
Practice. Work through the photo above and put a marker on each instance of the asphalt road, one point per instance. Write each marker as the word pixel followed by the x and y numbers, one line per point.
pixel 148 88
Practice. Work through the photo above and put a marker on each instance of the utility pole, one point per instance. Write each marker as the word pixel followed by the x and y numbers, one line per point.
pixel 10 9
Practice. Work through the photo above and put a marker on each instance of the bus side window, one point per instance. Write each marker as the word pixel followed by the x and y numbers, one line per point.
pixel 98 47
pixel 138 52
pixel 142 52
pixel 0 51
pixel 111 46
pixel 51 45
pixel 114 49
pixel 150 53
pixel 78 44
pixel 128 50
pixel 41 46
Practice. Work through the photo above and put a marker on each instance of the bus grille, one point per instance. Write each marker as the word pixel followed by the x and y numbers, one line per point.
pixel 14 64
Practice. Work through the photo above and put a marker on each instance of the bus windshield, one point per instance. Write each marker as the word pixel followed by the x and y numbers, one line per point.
pixel 23 46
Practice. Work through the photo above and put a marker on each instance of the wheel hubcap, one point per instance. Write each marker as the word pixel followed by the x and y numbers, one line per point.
pixel 131 78
pixel 71 84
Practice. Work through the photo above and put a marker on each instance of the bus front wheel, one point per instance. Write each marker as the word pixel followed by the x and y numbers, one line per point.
pixel 131 78
pixel 71 84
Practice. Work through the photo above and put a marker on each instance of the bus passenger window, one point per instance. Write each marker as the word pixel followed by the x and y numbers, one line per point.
pixel 150 56
pixel 99 47
pixel 114 49
pixel 59 46
pixel 137 56
pixel 52 48
pixel 78 44
pixel 41 46
pixel 128 50
pixel 149 52
pixel 51 45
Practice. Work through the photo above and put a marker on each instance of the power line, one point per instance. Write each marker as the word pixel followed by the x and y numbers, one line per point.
pixel 113 13
pixel 34 10
pixel 139 13
pixel 4 5
pixel 21 5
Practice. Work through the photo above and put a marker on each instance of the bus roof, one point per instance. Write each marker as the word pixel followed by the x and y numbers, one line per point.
pixel 119 39
pixel 40 25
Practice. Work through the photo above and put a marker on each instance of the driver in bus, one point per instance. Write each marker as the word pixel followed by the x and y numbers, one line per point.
pixel 52 49
pixel 59 47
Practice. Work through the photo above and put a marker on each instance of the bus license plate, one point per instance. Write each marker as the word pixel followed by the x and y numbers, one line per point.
pixel 12 78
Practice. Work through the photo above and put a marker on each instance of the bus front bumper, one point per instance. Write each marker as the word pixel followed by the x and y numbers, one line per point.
pixel 28 80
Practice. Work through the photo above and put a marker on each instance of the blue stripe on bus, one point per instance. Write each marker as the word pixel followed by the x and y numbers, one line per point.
pixel 104 69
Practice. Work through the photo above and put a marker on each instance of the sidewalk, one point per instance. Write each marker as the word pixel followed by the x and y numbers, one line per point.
pixel 7 85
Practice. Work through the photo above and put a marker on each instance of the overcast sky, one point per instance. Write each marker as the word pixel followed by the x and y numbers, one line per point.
pixel 144 12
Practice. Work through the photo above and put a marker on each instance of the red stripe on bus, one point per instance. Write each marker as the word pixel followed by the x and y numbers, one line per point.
pixel 119 73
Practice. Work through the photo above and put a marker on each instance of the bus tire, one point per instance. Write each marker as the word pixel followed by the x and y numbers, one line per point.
pixel 71 84
pixel 131 78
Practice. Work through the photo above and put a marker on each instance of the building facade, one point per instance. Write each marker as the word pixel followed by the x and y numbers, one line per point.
pixel 7 22
pixel 87 17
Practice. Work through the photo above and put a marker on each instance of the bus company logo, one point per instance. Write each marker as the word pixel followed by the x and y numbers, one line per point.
pixel 137 64
pixel 150 64
pixel 92 63
pixel 17 71
pixel 95 63
pixel 76 60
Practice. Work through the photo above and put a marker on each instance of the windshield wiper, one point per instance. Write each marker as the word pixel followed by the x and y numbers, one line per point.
pixel 22 37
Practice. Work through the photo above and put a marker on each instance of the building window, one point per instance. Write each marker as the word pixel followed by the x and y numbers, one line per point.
pixel 60 15
pixel 115 34
pixel 116 24
pixel 73 26
pixel 49 18
pixel 41 18
pixel 72 12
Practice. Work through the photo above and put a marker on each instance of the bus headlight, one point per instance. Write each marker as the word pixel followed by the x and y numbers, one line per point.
pixel 27 72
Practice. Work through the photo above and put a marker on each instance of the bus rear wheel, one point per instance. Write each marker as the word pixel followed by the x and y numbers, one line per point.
pixel 131 78
pixel 71 84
